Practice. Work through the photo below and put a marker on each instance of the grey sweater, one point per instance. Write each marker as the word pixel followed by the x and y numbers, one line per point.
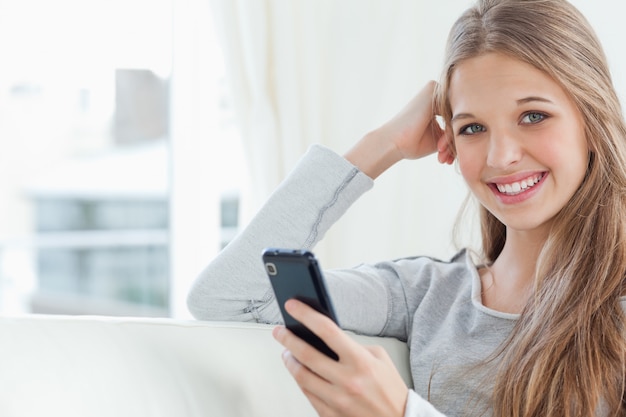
pixel 435 306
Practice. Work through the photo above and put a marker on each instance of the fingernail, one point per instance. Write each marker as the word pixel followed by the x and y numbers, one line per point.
pixel 277 331
pixel 289 304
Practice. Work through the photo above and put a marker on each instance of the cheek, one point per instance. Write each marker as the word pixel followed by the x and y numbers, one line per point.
pixel 566 152
pixel 470 164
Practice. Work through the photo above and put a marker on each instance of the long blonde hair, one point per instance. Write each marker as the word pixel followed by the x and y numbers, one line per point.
pixel 567 353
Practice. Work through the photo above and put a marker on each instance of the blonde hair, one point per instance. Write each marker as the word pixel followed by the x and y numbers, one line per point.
pixel 567 353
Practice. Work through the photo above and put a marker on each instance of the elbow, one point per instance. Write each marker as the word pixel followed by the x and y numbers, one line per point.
pixel 194 305
pixel 205 304
pixel 202 304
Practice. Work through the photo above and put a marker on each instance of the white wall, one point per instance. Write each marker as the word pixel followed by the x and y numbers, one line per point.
pixel 371 84
pixel 437 190
pixel 607 18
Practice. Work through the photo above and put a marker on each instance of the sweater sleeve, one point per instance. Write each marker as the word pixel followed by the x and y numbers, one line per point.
pixel 316 193
pixel 416 406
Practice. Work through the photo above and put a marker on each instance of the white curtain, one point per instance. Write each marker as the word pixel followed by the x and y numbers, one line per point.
pixel 317 71
pixel 328 71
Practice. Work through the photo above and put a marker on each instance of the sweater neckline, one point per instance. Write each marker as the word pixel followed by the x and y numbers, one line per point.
pixel 477 298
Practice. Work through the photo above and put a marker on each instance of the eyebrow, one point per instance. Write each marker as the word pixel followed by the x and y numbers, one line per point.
pixel 462 116
pixel 519 103
pixel 531 99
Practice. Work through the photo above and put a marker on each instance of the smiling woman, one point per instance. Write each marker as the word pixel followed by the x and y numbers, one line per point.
pixel 530 325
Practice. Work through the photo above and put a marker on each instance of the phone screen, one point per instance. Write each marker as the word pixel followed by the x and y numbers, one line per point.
pixel 296 274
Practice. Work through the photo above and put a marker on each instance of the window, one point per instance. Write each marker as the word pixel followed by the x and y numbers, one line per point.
pixel 85 165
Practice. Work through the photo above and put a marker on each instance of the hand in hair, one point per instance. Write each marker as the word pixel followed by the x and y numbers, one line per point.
pixel 411 134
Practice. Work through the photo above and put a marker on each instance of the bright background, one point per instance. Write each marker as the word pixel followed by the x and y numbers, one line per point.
pixel 137 136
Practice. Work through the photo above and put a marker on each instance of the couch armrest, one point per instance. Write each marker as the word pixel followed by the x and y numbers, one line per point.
pixel 101 366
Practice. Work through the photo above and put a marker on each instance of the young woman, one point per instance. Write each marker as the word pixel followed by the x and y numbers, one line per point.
pixel 536 327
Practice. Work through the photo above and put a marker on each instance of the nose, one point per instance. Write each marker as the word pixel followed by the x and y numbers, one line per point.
pixel 504 150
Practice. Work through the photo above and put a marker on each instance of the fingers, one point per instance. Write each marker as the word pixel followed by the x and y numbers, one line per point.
pixel 317 362
pixel 309 381
pixel 326 330
pixel 322 326
pixel 305 378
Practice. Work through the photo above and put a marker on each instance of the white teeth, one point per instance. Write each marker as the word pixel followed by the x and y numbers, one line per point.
pixel 518 187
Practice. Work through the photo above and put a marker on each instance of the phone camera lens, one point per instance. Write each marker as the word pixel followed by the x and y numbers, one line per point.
pixel 271 268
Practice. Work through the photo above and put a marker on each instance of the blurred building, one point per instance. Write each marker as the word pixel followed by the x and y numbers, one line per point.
pixel 101 229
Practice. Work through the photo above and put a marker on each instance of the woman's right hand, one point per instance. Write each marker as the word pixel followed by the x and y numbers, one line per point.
pixel 413 133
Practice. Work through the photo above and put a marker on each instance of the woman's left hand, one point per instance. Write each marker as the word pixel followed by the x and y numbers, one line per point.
pixel 364 382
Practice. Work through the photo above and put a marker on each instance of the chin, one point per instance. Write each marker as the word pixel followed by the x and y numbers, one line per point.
pixel 530 225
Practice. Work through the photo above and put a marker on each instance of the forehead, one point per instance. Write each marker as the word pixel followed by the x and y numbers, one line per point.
pixel 498 79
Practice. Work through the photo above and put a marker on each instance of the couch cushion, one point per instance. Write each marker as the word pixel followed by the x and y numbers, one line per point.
pixel 101 366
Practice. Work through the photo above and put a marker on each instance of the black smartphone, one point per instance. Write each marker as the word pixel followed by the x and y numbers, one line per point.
pixel 296 274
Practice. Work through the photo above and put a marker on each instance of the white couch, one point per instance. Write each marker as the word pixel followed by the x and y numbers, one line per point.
pixel 116 367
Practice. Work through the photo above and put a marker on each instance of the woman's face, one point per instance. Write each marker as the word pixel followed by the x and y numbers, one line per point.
pixel 519 138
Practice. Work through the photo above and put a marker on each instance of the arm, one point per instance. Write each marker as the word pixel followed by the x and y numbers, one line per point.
pixel 234 285
pixel 297 215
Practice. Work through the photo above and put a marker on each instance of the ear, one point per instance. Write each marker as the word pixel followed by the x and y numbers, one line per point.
pixel 446 153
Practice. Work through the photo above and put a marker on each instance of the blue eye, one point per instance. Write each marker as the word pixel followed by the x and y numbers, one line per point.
pixel 472 129
pixel 533 117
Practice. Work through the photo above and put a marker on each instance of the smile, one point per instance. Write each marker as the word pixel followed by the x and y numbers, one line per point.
pixel 519 187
